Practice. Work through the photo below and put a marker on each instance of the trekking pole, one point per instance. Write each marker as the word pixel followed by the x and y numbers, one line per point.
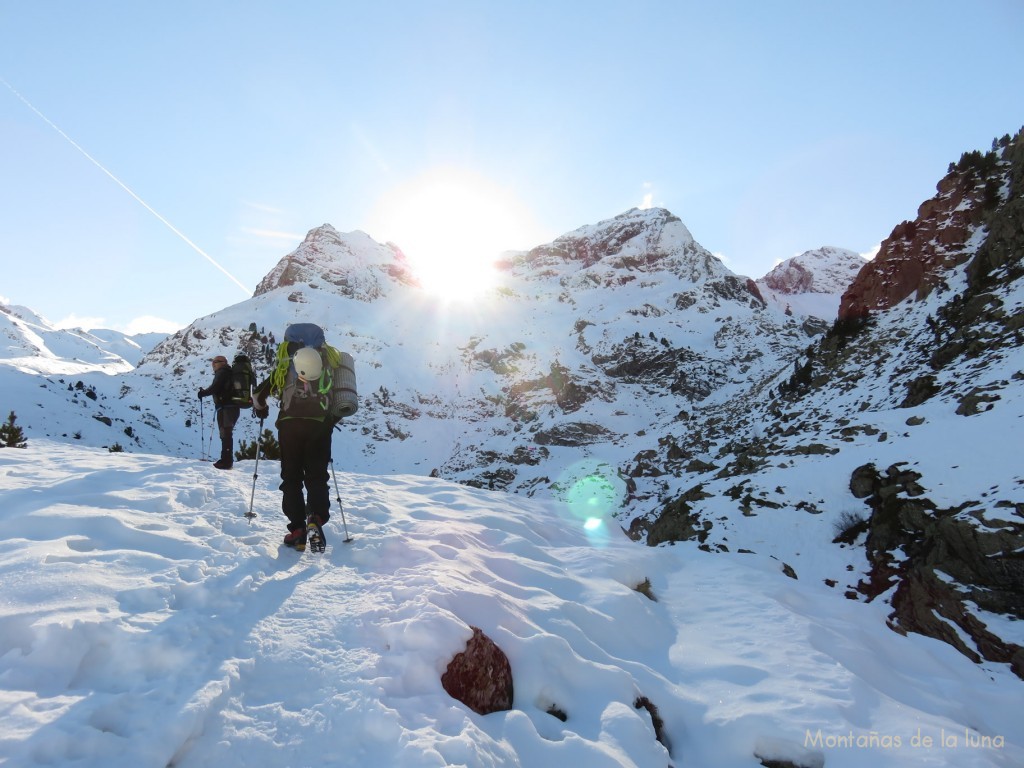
pixel 259 449
pixel 202 432
pixel 213 428
pixel 347 538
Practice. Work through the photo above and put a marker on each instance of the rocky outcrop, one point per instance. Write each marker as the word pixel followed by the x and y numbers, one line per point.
pixel 574 434
pixel 677 521
pixel 789 278
pixel 570 392
pixel 480 676
pixel 656 364
pixel 939 563
pixel 980 320
pixel 917 254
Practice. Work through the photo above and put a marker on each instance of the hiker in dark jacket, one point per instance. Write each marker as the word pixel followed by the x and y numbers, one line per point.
pixel 227 412
pixel 304 435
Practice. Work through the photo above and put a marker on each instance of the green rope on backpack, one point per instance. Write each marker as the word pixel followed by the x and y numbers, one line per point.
pixel 277 378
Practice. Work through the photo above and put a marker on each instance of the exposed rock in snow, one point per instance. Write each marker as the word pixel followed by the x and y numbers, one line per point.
pixel 480 676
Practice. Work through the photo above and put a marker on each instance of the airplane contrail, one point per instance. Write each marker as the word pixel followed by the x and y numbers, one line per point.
pixel 125 187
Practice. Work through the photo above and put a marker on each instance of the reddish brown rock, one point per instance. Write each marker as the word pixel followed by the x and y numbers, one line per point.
pixel 914 258
pixel 480 677
pixel 795 279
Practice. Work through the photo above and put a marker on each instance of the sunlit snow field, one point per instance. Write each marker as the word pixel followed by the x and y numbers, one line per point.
pixel 145 621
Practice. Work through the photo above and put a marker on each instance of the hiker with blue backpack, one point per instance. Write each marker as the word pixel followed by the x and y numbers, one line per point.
pixel 315 386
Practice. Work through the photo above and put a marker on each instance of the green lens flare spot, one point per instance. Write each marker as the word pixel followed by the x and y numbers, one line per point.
pixel 593 497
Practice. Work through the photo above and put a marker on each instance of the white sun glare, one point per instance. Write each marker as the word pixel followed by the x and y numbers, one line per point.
pixel 453 225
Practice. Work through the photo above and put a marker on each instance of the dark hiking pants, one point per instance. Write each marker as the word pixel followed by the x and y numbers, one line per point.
pixel 305 453
pixel 227 417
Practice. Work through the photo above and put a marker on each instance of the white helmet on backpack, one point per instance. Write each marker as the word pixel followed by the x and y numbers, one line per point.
pixel 307 364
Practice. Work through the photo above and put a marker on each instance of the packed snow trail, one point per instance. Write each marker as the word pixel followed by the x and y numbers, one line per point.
pixel 145 621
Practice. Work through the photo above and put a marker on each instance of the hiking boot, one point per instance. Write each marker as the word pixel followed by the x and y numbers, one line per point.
pixel 221 464
pixel 317 538
pixel 296 539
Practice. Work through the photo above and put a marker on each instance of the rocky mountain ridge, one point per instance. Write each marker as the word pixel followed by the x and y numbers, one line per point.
pixel 353 265
pixel 576 326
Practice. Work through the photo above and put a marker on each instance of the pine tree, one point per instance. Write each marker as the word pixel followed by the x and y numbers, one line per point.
pixel 269 447
pixel 11 435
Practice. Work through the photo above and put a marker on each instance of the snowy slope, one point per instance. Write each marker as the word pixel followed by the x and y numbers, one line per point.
pixel 130 347
pixel 900 429
pixel 146 623
pixel 65 383
pixel 32 345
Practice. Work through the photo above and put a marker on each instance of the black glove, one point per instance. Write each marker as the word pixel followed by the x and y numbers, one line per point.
pixel 260 410
pixel 200 394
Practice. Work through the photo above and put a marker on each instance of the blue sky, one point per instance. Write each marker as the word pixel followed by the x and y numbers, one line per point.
pixel 769 128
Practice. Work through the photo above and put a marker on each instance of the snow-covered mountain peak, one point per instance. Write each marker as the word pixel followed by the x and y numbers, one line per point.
pixel 350 264
pixel 813 282
pixel 637 244
pixel 23 313
pixel 633 230
pixel 823 270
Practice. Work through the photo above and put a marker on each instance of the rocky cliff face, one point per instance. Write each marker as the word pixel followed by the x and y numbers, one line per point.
pixel 946 233
pixel 943 564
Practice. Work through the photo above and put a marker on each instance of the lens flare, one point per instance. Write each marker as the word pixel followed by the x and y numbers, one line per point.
pixel 591 496
pixel 592 493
